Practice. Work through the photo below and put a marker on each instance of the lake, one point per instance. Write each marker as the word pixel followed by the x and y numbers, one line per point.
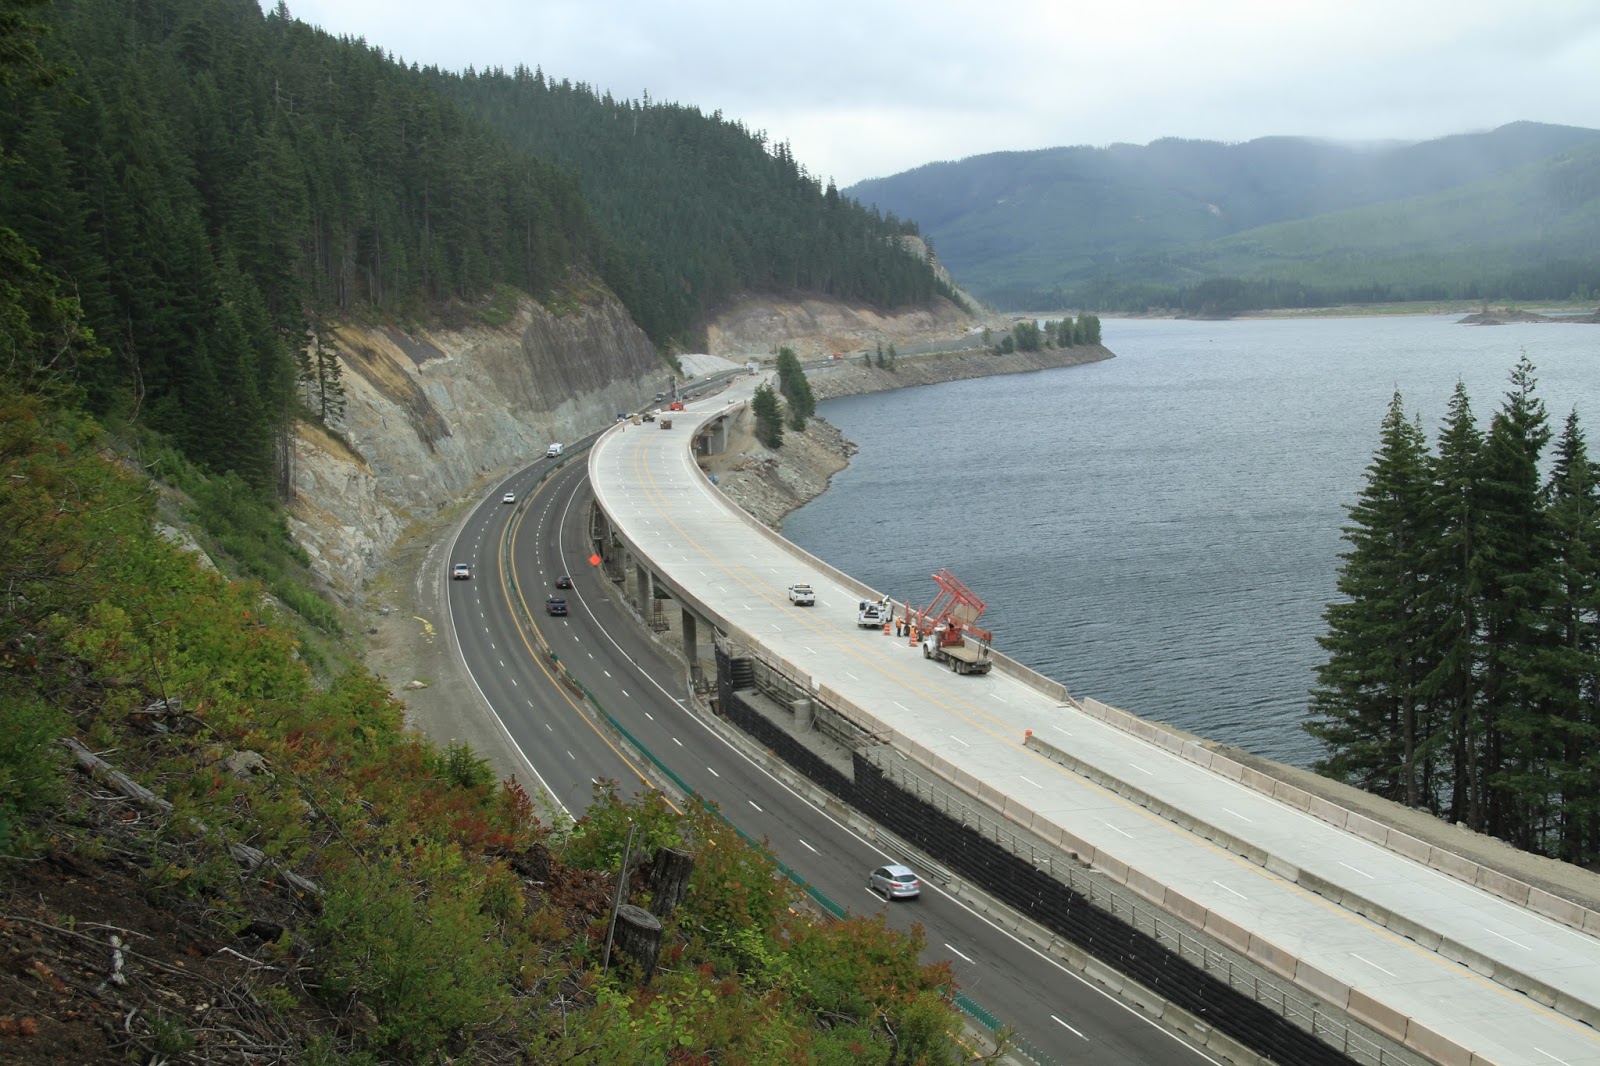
pixel 1161 531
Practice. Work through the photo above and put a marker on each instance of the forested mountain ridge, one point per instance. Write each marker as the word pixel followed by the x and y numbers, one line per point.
pixel 213 181
pixel 1126 227
pixel 697 209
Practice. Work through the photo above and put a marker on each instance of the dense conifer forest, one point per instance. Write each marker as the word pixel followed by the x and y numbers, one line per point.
pixel 1207 228
pixel 218 839
pixel 696 208
pixel 1463 670
pixel 210 182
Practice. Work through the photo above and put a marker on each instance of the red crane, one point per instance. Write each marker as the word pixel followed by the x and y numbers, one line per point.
pixel 957 608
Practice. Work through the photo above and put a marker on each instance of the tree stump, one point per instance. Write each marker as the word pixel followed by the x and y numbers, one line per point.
pixel 669 879
pixel 638 935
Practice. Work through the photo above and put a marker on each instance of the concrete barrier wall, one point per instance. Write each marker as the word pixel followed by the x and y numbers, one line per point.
pixel 1496 883
pixel 1271 956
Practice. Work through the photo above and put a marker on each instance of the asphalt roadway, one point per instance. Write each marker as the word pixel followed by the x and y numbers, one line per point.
pixel 1051 1006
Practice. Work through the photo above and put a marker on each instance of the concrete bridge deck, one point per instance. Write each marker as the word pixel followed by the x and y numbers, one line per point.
pixel 1455 972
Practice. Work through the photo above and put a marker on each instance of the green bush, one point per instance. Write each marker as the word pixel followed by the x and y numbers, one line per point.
pixel 31 763
pixel 418 951
pixel 459 765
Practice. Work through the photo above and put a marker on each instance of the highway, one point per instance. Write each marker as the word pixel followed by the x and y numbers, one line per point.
pixel 1428 958
pixel 1050 1006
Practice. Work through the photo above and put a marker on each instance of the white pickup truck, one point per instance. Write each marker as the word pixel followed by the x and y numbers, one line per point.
pixel 873 613
pixel 802 596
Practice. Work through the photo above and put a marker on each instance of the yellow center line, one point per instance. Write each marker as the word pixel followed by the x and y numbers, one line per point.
pixel 508 546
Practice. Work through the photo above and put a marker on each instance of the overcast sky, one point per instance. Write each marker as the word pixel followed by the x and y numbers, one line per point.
pixel 874 87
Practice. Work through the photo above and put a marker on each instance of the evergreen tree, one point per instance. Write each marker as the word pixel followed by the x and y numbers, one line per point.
pixel 795 388
pixel 1572 507
pixel 1026 336
pixel 43 340
pixel 769 416
pixel 1368 707
pixel 324 381
pixel 1514 544
pixel 1454 597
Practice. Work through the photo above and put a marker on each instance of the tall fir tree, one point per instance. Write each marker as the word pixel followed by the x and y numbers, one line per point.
pixel 768 412
pixel 1572 669
pixel 796 389
pixel 1514 545
pixel 1368 706
pixel 1453 596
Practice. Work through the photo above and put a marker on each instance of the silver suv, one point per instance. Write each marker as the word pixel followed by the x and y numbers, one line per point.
pixel 894 882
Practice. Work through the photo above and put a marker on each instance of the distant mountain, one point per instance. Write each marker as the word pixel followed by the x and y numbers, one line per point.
pixel 1130 225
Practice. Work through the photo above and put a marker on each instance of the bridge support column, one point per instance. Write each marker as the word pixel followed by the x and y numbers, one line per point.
pixel 644 587
pixel 717 437
pixel 691 648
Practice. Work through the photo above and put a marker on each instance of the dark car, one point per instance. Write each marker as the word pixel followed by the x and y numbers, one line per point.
pixel 555 605
pixel 563 582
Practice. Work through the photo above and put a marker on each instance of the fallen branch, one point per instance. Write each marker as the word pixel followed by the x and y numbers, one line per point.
pixel 252 859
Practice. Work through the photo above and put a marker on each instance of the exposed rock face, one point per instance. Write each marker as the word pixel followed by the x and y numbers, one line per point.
pixel 851 377
pixel 430 415
pixel 818 328
pixel 769 484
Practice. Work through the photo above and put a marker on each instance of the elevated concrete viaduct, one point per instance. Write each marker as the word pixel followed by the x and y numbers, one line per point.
pixel 1455 963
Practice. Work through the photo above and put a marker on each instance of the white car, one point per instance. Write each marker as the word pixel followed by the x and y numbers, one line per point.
pixel 509 497
pixel 802 595
pixel 894 882
pixel 461 572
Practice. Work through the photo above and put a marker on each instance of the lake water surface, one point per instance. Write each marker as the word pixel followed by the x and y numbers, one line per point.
pixel 1161 530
